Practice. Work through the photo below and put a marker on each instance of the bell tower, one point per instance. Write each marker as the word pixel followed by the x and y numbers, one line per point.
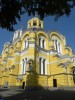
pixel 35 23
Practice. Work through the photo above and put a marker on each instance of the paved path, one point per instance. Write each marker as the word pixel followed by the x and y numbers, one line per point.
pixel 9 92
pixel 37 95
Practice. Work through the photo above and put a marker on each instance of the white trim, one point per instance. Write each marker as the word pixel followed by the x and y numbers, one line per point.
pixel 24 67
pixel 16 63
pixel 41 66
pixel 10 58
pixel 30 57
pixel 60 49
pixel 46 68
pixel 21 71
pixel 57 46
pixel 45 44
pixel 31 45
pixel 17 53
pixel 23 53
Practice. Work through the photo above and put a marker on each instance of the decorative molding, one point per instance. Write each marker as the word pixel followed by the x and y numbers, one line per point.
pixel 4 61
pixel 10 58
pixel 17 53
pixel 19 77
pixel 24 51
pixel 31 45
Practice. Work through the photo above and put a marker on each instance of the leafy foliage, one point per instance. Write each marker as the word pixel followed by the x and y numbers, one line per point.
pixel 11 10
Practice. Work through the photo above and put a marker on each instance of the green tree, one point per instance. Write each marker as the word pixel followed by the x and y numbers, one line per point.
pixel 11 10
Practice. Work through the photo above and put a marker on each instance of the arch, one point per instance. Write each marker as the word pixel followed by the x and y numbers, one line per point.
pixel 30 61
pixel 57 35
pixel 41 33
pixel 18 40
pixel 58 41
pixel 24 35
pixel 42 66
pixel 42 39
pixel 24 40
pixel 5 49
pixel 69 49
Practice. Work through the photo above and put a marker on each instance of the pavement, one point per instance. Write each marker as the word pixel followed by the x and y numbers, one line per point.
pixel 55 94
pixel 9 92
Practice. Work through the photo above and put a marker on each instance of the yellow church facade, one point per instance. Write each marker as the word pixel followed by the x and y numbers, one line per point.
pixel 36 58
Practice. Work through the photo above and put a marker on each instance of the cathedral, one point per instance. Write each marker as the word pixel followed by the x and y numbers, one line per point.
pixel 36 58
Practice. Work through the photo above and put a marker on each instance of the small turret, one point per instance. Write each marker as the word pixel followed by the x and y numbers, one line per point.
pixel 35 23
pixel 17 34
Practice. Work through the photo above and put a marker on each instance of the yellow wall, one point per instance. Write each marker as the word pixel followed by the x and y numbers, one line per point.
pixel 14 53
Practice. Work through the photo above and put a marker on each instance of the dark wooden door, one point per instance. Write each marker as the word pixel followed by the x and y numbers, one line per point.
pixel 23 86
pixel 54 82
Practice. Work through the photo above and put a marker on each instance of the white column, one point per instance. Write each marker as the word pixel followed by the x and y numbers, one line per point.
pixel 57 46
pixel 60 49
pixel 54 45
pixel 20 33
pixel 21 67
pixel 24 67
pixel 41 66
pixel 26 43
pixel 45 67
pixel 16 35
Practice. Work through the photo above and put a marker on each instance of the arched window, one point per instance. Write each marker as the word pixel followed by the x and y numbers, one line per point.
pixel 42 66
pixel 26 43
pixel 57 46
pixel 24 62
pixel 73 60
pixel 42 42
pixel 34 23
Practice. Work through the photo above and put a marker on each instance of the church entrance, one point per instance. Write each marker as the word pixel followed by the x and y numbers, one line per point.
pixel 54 82
pixel 23 85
